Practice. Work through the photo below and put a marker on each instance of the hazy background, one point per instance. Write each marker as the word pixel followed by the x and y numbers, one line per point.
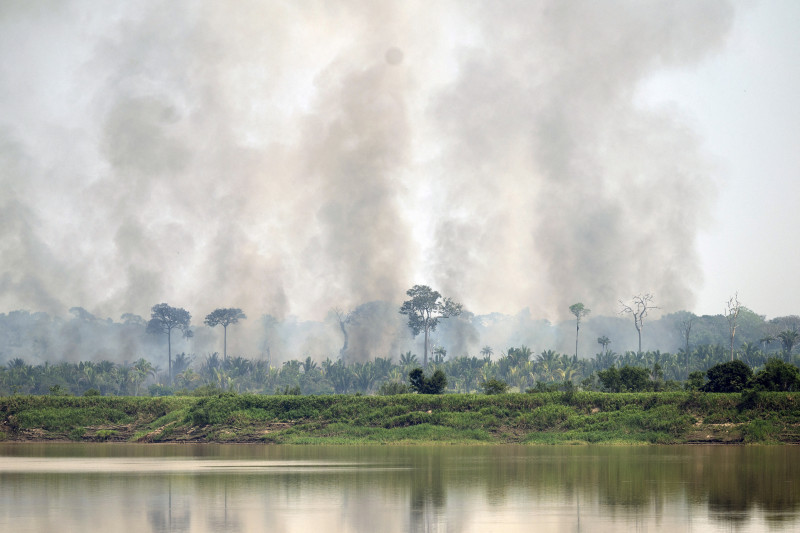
pixel 286 157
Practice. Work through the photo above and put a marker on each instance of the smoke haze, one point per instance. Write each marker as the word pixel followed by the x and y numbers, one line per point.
pixel 286 157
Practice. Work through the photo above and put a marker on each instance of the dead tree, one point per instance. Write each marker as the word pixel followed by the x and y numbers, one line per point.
pixel 344 319
pixel 684 327
pixel 638 308
pixel 732 309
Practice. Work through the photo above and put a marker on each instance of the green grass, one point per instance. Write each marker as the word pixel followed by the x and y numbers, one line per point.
pixel 539 418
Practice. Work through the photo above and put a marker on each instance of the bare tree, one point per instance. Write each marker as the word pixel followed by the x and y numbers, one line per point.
pixel 685 329
pixel 640 304
pixel 732 309
pixel 344 318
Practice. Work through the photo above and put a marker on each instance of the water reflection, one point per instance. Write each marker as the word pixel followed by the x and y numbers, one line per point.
pixel 245 488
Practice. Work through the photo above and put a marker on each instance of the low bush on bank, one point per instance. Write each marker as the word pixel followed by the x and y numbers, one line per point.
pixel 565 416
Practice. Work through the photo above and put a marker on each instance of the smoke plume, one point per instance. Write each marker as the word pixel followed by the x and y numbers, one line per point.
pixel 286 157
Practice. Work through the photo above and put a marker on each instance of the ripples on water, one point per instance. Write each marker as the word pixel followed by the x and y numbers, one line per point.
pixel 139 488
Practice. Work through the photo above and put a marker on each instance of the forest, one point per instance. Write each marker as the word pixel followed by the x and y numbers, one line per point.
pixel 87 355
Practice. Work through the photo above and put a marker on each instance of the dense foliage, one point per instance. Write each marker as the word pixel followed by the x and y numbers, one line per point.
pixel 518 368
pixel 550 417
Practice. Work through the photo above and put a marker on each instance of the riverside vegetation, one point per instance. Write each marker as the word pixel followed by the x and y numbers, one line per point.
pixel 529 418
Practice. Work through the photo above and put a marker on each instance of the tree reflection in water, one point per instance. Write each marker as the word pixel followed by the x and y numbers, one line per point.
pixel 419 488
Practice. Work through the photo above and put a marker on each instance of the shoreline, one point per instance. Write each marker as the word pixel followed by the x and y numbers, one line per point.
pixel 577 418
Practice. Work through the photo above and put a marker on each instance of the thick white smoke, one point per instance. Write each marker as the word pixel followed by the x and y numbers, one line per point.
pixel 289 157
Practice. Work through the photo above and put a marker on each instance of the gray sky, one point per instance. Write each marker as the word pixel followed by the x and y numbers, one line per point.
pixel 286 159
pixel 743 103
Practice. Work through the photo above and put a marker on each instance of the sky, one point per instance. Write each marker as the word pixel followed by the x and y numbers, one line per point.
pixel 743 104
pixel 288 158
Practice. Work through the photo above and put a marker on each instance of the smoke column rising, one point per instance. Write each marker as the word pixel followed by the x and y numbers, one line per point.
pixel 288 157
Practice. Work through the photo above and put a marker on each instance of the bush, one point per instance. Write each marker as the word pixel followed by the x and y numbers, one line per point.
pixel 732 376
pixel 625 379
pixel 778 376
pixel 695 381
pixel 432 385
pixel 105 434
pixel 760 431
pixel 609 379
pixel 390 388
pixel 160 390
pixel 550 416
pixel 635 379
pixel 494 386
pixel 91 392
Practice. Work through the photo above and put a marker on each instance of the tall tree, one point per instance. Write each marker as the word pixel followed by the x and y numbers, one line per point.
pixel 224 317
pixel 424 310
pixel 163 319
pixel 580 311
pixel 684 327
pixel 732 309
pixel 639 307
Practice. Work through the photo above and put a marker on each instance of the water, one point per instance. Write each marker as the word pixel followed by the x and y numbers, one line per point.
pixel 204 488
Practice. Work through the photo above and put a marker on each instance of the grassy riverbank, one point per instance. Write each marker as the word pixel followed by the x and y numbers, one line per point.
pixel 545 418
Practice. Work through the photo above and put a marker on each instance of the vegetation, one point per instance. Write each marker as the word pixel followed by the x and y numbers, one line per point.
pixel 494 386
pixel 535 418
pixel 422 385
pixel 580 311
pixel 519 368
pixel 224 317
pixel 424 310
pixel 164 319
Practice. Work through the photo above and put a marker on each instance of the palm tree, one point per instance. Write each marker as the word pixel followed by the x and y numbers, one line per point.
pixel 363 376
pixel 605 360
pixel 548 364
pixel 142 368
pixel 789 339
pixel 486 351
pixel 766 340
pixel 308 365
pixel 604 342
pixel 408 360
pixel 519 356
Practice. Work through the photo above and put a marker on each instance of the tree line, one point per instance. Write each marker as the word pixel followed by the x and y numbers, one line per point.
pixel 426 310
pixel 516 369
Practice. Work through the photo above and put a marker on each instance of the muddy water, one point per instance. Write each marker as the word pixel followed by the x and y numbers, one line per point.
pixel 140 488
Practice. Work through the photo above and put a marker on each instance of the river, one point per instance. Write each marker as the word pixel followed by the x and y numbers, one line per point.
pixel 138 488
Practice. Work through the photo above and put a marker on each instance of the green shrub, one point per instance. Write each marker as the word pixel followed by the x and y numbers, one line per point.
pixel 494 386
pixel 731 376
pixel 695 381
pixel 390 388
pixel 105 434
pixel 550 416
pixel 760 431
pixel 778 376
pixel 432 385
